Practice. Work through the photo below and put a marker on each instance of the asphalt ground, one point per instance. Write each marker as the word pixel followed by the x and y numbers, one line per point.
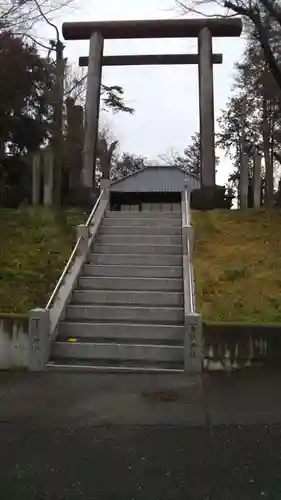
pixel 140 437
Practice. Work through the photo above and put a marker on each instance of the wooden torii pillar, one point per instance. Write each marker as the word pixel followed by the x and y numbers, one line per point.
pixel 206 108
pixel 138 60
pixel 204 29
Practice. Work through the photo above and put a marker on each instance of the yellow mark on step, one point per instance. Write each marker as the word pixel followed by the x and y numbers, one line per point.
pixel 71 340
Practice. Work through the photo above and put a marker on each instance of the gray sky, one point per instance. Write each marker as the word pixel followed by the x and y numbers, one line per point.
pixel 165 98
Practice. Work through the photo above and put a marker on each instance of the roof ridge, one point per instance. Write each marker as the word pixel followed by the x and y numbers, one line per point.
pixel 154 166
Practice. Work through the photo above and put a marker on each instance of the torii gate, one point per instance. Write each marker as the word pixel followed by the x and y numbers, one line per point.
pixel 204 29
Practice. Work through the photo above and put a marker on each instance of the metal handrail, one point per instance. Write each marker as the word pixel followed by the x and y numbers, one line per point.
pixel 71 258
pixel 186 203
pixel 191 282
pixel 190 267
pixel 62 276
pixel 94 209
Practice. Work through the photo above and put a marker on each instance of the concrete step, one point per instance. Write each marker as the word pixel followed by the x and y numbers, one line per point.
pixel 133 271
pixel 107 330
pixel 156 207
pixel 142 221
pixel 100 366
pixel 129 229
pixel 119 340
pixel 127 297
pixel 138 239
pixel 138 249
pixel 145 284
pixel 135 259
pixel 135 314
pixel 148 214
pixel 115 351
pixel 166 207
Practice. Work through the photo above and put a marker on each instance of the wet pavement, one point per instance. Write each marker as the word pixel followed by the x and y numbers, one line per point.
pixel 142 437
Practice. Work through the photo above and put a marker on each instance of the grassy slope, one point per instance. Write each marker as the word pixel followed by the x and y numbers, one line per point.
pixel 237 261
pixel 238 265
pixel 34 245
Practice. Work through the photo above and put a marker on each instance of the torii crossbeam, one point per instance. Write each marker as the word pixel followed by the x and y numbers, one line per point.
pixel 203 28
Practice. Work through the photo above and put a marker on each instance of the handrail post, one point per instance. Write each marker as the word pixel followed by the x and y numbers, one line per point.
pixel 39 343
pixel 83 235
pixel 193 343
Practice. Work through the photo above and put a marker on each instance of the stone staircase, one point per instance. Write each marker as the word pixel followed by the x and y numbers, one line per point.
pixel 127 310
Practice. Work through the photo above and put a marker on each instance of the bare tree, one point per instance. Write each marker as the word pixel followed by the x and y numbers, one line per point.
pixel 112 95
pixel 262 20
pixel 21 16
pixel 105 152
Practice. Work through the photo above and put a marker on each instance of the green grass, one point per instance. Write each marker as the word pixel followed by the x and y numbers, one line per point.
pixel 35 244
pixel 238 265
pixel 237 261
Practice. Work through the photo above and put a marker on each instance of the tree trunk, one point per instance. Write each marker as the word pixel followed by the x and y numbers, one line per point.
pixel 105 154
pixel 58 134
pixel 269 198
pixel 74 145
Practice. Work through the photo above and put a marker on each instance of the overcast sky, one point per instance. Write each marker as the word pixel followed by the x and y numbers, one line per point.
pixel 165 98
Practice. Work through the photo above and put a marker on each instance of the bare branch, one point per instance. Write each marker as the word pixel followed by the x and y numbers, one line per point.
pixel 76 82
pixel 23 15
pixel 197 4
pixel 238 9
pixel 27 35
pixel 47 20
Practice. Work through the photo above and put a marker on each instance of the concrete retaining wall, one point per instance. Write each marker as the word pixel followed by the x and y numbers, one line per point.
pixel 226 346
pixel 230 346
pixel 13 341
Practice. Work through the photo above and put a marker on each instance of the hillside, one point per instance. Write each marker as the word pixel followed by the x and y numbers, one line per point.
pixel 34 246
pixel 237 261
pixel 238 265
